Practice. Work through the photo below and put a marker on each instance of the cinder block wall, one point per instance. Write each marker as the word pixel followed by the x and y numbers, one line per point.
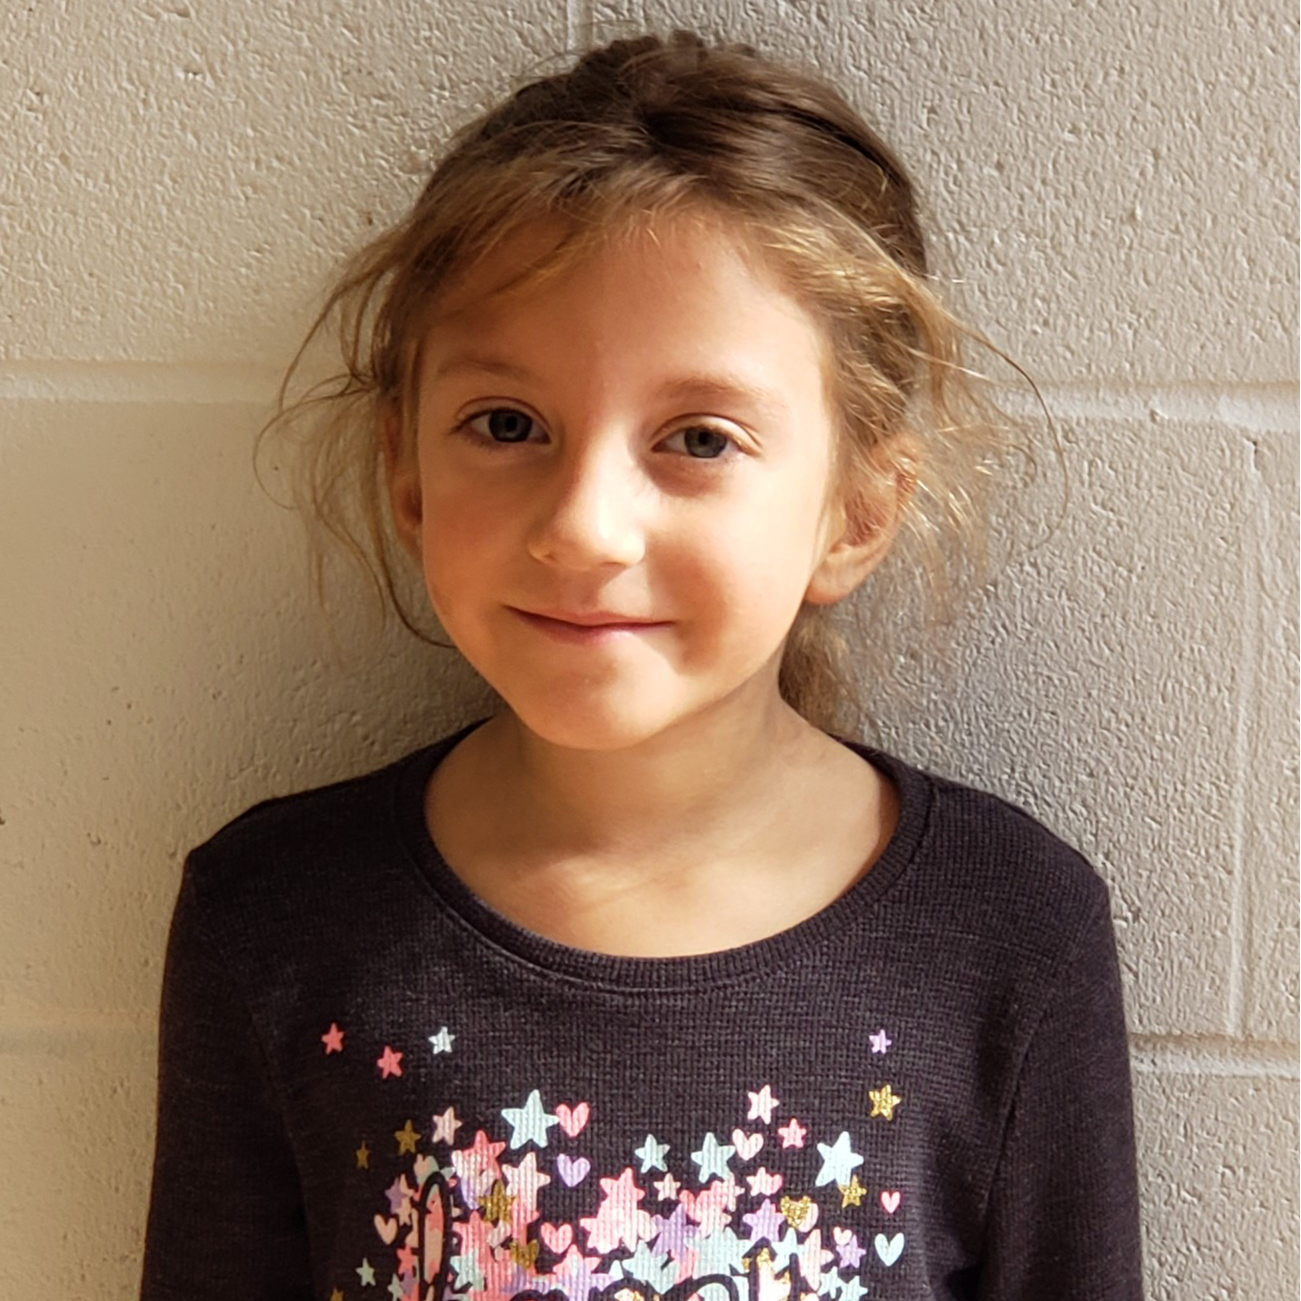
pixel 1119 186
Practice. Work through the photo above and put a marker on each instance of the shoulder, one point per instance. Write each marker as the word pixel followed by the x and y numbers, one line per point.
pixel 983 867
pixel 288 860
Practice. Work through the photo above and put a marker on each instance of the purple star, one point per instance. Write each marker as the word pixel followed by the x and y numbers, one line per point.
pixel 673 1234
pixel 575 1277
pixel 765 1222
pixel 399 1191
pixel 880 1041
pixel 850 1252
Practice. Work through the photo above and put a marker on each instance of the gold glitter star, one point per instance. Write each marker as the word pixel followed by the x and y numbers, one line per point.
pixel 407 1138
pixel 363 1156
pixel 852 1193
pixel 336 1295
pixel 883 1101
pixel 496 1206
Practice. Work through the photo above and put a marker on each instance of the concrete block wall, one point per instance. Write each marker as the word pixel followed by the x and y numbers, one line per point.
pixel 1118 183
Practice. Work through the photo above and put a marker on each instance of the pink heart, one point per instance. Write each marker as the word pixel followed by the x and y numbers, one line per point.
pixel 842 1236
pixel 424 1166
pixel 746 1144
pixel 558 1237
pixel 572 1119
pixel 890 1202
pixel 572 1169
pixel 387 1229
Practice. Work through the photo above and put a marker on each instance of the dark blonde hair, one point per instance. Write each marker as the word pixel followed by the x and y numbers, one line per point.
pixel 637 130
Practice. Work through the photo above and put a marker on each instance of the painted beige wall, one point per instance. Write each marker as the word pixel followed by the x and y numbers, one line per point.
pixel 1120 184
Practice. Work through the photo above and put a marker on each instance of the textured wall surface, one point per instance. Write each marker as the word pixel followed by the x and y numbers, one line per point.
pixel 1118 182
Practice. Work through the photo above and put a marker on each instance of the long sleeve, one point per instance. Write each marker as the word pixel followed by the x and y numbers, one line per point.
pixel 226 1217
pixel 1063 1217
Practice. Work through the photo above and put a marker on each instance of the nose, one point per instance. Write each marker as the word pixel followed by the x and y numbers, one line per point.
pixel 589 513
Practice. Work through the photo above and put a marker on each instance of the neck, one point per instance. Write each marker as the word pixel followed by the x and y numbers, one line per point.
pixel 700 777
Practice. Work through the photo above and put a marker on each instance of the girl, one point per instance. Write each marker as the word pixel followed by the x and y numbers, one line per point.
pixel 646 987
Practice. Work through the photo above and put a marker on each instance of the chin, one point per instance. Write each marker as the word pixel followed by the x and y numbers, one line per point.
pixel 595 727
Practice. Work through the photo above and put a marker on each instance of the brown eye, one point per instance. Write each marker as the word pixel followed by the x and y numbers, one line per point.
pixel 503 425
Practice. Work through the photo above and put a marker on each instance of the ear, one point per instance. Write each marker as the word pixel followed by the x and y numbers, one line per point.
pixel 402 474
pixel 861 531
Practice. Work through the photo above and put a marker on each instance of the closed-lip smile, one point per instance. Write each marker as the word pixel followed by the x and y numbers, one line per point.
pixel 586 620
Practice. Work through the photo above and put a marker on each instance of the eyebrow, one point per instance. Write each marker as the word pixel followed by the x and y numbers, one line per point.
pixel 723 385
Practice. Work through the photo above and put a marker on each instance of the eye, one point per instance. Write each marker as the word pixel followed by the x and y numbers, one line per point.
pixel 700 442
pixel 503 425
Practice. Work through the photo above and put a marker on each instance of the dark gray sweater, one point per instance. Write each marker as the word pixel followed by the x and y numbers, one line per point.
pixel 373 1087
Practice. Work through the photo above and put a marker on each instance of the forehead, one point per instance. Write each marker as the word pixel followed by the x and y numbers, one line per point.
pixel 692 273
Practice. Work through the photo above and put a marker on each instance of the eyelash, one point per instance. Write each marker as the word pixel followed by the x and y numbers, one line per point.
pixel 486 438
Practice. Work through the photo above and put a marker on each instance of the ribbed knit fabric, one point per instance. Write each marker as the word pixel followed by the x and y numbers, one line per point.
pixel 373 1087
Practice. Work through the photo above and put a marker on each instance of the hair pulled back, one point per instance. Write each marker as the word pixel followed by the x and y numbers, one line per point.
pixel 638 130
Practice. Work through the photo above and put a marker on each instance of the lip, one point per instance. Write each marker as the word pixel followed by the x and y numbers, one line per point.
pixel 585 625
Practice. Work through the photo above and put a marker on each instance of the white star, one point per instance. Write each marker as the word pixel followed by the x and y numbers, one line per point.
pixel 529 1123
pixel 445 1127
pixel 762 1105
pixel 838 1161
pixel 652 1153
pixel 442 1041
pixel 713 1158
pixel 525 1179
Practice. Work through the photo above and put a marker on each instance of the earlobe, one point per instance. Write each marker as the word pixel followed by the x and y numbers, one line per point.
pixel 402 475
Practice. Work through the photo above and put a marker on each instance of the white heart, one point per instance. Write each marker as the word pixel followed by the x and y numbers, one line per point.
pixel 889 1249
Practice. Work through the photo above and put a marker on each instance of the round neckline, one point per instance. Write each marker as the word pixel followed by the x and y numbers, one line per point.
pixel 654 973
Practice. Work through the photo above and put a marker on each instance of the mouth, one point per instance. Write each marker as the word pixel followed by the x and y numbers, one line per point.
pixel 585 624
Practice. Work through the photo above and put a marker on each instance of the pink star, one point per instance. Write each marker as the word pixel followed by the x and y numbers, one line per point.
pixel 792 1133
pixel 762 1105
pixel 445 1127
pixel 333 1039
pixel 880 1041
pixel 389 1063
pixel 666 1189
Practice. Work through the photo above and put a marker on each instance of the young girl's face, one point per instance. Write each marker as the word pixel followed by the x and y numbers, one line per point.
pixel 622 489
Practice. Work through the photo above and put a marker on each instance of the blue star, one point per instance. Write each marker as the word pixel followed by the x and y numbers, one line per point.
pixel 529 1123
pixel 652 1153
pixel 366 1273
pixel 838 1161
pixel 713 1158
pixel 853 1290
pixel 720 1253
pixel 786 1253
pixel 468 1277
pixel 657 1272
pixel 395 1288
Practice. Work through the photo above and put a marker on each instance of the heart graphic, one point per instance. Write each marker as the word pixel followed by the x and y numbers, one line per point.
pixel 572 1169
pixel 387 1229
pixel 424 1166
pixel 746 1144
pixel 557 1237
pixel 799 1213
pixel 890 1202
pixel 889 1249
pixel 843 1237
pixel 572 1119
